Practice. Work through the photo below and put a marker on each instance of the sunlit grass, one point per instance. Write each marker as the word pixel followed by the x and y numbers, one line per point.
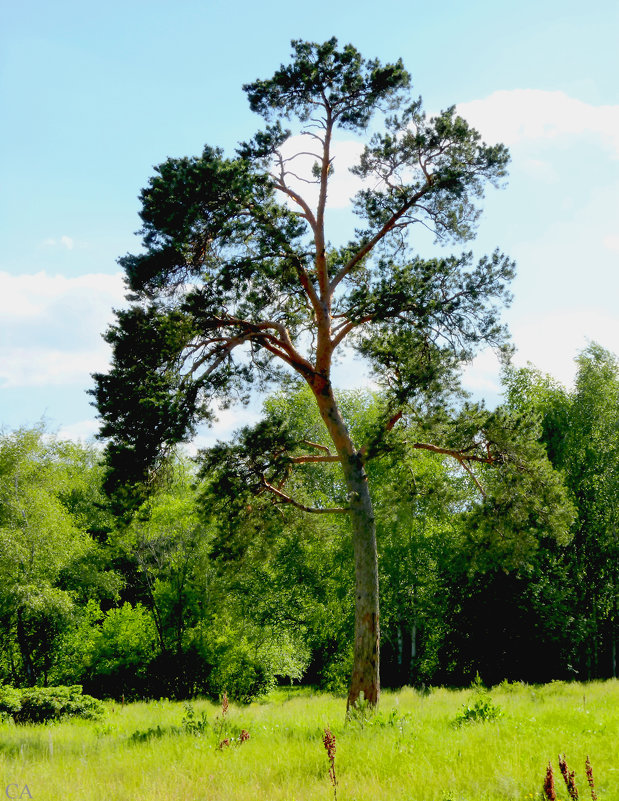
pixel 417 755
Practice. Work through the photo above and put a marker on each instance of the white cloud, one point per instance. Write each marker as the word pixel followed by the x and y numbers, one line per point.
pixel 51 326
pixel 227 422
pixel 550 343
pixel 33 293
pixel 521 115
pixel 42 366
pixel 82 431
pixel 64 241
pixel 342 184
pixel 611 242
pixel 513 117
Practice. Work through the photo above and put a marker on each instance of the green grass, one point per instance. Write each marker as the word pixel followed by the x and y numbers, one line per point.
pixel 410 751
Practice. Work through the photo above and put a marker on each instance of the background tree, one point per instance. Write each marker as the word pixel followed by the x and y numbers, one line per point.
pixel 49 564
pixel 239 283
pixel 580 430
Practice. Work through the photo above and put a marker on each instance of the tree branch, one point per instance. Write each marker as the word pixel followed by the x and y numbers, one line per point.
pixel 325 168
pixel 311 444
pixel 287 499
pixel 282 347
pixel 473 476
pixel 461 455
pixel 369 246
pixel 313 458
pixel 346 328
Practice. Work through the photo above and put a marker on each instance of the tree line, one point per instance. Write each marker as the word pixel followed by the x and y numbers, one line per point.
pixel 208 586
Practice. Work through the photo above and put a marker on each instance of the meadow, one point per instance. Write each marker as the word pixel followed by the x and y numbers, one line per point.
pixel 412 749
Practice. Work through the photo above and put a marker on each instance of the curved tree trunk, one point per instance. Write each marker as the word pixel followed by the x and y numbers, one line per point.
pixel 365 675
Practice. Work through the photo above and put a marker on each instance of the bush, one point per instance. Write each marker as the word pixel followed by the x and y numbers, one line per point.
pixel 480 708
pixel 242 677
pixel 44 704
pixel 10 701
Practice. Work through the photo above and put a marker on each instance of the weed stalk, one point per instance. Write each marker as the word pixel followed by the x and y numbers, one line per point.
pixel 329 744
pixel 589 770
pixel 549 785
pixel 568 778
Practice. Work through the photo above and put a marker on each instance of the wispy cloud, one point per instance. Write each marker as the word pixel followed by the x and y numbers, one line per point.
pixel 550 343
pixel 63 241
pixel 51 326
pixel 83 430
pixel 522 115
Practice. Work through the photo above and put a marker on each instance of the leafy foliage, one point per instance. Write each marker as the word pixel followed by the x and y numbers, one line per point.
pixel 44 704
pixel 480 708
pixel 49 491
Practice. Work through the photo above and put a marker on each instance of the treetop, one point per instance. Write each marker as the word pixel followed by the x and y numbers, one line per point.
pixel 322 79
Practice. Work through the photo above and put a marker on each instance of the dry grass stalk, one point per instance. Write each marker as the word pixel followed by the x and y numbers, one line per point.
pixel 549 785
pixel 569 778
pixel 589 770
pixel 329 744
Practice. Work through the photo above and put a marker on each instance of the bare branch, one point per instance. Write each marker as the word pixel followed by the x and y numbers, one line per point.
pixel 311 444
pixel 300 178
pixel 473 476
pixel 459 455
pixel 313 458
pixel 307 212
pixel 302 153
pixel 283 498
pixel 346 328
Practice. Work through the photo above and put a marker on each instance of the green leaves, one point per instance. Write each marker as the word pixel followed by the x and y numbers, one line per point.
pixel 48 563
pixel 425 318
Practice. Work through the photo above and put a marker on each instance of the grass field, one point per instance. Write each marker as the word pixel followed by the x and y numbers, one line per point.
pixel 410 750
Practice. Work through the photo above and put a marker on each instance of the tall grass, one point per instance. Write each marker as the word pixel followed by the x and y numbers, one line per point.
pixel 410 751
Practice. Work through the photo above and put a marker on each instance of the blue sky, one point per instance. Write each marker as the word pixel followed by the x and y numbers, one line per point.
pixel 93 96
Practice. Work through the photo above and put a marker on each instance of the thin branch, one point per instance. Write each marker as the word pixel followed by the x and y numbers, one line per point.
pixel 348 327
pixel 305 181
pixel 369 246
pixel 287 499
pixel 301 153
pixel 473 476
pixel 393 420
pixel 307 212
pixel 282 347
pixel 316 445
pixel 313 458
pixel 459 455
pixel 390 424
pixel 319 238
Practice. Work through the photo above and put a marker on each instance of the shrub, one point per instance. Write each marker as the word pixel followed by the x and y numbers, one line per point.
pixel 243 677
pixel 10 701
pixel 480 708
pixel 44 704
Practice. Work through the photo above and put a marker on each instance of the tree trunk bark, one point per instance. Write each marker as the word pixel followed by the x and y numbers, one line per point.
pixel 365 675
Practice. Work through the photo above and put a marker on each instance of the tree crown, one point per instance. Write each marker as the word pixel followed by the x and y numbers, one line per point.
pixel 238 283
